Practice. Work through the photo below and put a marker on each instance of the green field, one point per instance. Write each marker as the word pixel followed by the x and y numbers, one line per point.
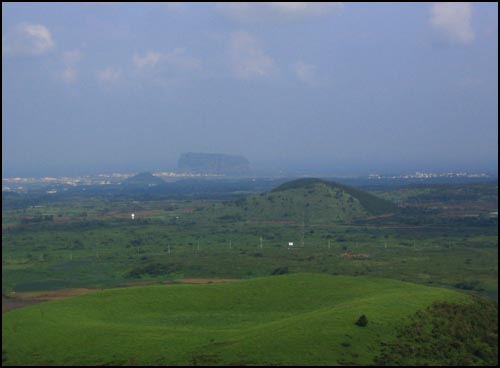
pixel 301 319
pixel 350 258
pixel 89 241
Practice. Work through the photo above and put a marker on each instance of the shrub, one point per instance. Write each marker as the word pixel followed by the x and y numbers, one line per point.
pixel 447 334
pixel 470 285
pixel 280 271
pixel 152 269
pixel 362 321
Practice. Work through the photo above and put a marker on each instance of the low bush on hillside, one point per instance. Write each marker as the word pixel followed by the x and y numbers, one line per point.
pixel 362 321
pixel 230 218
pixel 447 334
pixel 280 271
pixel 152 269
pixel 470 285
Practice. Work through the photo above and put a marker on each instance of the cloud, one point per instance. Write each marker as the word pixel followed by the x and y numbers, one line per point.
pixel 272 11
pixel 305 73
pixel 27 39
pixel 453 20
pixel 148 60
pixel 69 75
pixel 247 59
pixel 175 59
pixel 301 9
pixel 179 59
pixel 109 75
pixel 166 69
pixel 70 59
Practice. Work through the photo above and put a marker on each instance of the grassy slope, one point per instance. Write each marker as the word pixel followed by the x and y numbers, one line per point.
pixel 301 319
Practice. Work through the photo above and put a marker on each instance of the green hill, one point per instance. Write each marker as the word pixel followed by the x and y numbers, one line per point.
pixel 300 319
pixel 372 204
pixel 305 200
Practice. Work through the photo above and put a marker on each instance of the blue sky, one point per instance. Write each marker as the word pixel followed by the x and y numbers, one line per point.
pixel 344 88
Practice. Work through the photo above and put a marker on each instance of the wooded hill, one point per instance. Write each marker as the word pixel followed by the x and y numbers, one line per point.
pixel 304 201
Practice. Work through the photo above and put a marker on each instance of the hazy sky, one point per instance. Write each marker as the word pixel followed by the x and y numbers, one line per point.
pixel 342 87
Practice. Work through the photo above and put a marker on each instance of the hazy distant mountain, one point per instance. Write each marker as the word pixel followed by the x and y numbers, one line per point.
pixel 213 163
pixel 144 179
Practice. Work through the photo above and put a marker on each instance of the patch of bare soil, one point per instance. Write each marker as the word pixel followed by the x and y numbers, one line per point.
pixel 22 299
pixel 138 214
pixel 205 281
pixel 9 303
pixel 387 215
pixel 140 283
pixel 274 222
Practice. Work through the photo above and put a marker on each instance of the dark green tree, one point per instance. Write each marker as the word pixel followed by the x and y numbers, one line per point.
pixel 362 321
